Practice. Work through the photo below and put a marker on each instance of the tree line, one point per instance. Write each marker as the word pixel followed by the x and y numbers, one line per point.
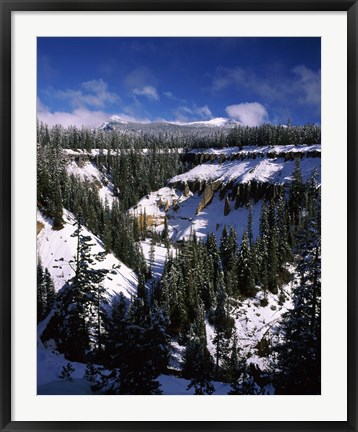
pixel 183 137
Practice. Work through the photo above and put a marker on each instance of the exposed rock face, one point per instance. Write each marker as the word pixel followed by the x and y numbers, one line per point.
pixel 186 190
pixel 227 207
pixel 207 195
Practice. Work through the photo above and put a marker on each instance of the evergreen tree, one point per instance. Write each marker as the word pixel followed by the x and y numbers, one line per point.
pixel 50 291
pixel 107 230
pixel 299 353
pixel 213 252
pixel 76 325
pixel 116 333
pixel 272 249
pixel 151 254
pixel 198 364
pixel 234 369
pixel 46 294
pixel 228 247
pixel 41 293
pixel 249 225
pixel 165 233
pixel 245 275
pixel 284 253
pixel 145 351
pixel 296 195
pixel 223 329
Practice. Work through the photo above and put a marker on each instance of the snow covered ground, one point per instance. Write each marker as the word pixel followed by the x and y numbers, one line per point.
pixel 229 151
pixel 88 171
pixel 183 220
pixel 237 171
pixel 160 254
pixel 255 322
pixel 56 248
pixel 105 152
pixel 181 210
pixel 50 365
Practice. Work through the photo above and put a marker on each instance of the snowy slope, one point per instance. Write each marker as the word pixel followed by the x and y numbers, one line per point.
pixel 255 321
pixel 181 209
pixel 183 220
pixel 104 152
pixel 160 254
pixel 237 171
pixel 214 122
pixel 89 172
pixel 59 245
pixel 264 150
pixel 116 122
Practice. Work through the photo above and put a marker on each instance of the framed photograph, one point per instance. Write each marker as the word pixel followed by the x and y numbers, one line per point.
pixel 178 215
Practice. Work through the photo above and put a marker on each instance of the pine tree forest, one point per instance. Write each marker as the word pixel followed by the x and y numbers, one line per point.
pixel 251 251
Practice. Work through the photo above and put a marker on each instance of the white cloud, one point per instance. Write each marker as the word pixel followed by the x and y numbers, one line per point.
pixel 309 84
pixel 40 106
pixel 129 118
pixel 92 93
pixel 139 77
pixel 185 113
pixel 169 95
pixel 226 77
pixel 248 113
pixel 204 111
pixel 301 85
pixel 79 117
pixel 148 91
pixel 173 97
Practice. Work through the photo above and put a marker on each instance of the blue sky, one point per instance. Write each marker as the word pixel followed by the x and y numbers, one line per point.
pixel 84 81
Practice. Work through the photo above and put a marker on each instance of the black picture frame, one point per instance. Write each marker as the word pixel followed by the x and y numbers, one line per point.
pixel 9 6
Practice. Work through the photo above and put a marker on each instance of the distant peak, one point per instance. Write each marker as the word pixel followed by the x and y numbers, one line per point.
pixel 214 122
pixel 118 119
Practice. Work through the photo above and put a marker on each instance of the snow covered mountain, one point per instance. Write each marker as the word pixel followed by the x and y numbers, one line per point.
pixel 214 122
pixel 120 124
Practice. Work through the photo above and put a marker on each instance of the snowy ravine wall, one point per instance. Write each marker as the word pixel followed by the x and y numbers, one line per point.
pixel 204 199
pixel 56 248
pixel 212 194
pixel 217 192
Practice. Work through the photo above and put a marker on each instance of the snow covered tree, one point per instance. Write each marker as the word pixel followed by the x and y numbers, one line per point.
pixel 198 364
pixel 296 195
pixel 284 250
pixel 249 225
pixel 245 272
pixel 41 293
pixel 50 291
pixel 223 324
pixel 228 248
pixel 145 351
pixel 234 369
pixel 299 353
pixel 107 231
pixel 272 249
pixel 46 294
pixel 165 232
pixel 151 255
pixel 66 372
pixel 78 322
